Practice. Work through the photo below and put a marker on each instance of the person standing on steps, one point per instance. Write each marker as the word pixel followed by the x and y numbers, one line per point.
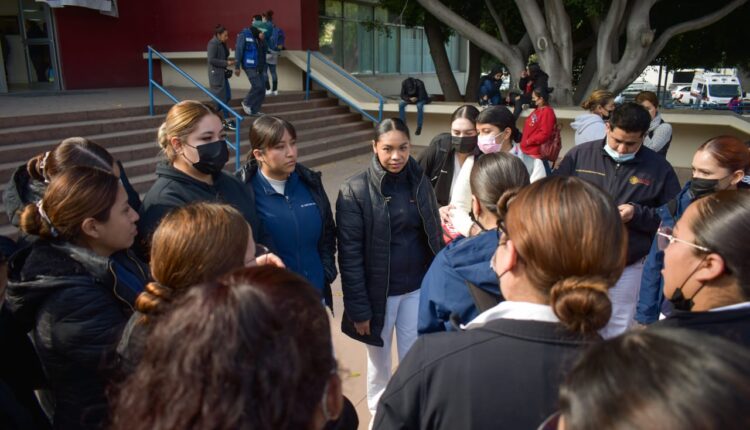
pixel 248 51
pixel 275 40
pixel 413 92
pixel 218 73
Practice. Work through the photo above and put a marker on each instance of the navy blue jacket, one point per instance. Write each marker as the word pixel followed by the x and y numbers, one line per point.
pixel 444 290
pixel 326 244
pixel 652 292
pixel 647 182
pixel 364 239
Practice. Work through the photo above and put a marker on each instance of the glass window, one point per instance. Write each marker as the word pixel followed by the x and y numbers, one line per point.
pixel 357 12
pixel 330 39
pixel 331 8
pixel 411 50
pixel 724 90
pixel 358 48
pixel 386 50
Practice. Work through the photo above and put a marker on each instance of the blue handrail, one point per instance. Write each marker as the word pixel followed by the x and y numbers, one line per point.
pixel 345 74
pixel 152 84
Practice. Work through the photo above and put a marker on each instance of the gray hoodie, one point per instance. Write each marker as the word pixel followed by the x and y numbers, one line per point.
pixel 588 127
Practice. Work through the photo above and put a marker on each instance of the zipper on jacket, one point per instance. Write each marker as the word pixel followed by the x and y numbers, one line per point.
pixel 140 269
pixel 114 287
pixel 419 211
pixel 388 272
pixel 296 229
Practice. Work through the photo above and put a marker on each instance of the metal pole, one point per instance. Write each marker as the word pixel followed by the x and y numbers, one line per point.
pixel 307 78
pixel 237 154
pixel 150 82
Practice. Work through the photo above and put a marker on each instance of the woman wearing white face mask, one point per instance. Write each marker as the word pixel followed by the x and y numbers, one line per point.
pixel 497 132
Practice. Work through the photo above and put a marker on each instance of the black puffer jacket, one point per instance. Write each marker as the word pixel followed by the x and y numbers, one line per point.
pixel 327 243
pixel 75 308
pixel 364 243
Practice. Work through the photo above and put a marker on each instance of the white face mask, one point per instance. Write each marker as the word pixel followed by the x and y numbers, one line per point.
pixel 487 143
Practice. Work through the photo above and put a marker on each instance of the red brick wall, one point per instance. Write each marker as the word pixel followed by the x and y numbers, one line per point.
pixel 97 51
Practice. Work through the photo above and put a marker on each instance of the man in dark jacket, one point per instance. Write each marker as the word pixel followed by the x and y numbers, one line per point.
pixel 413 92
pixel 532 77
pixel 639 181
pixel 248 54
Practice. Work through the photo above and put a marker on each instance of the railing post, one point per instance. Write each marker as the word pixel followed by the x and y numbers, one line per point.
pixel 307 78
pixel 380 111
pixel 237 154
pixel 150 82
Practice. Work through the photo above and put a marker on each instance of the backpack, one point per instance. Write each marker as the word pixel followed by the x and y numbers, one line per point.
pixel 250 51
pixel 277 38
pixel 550 149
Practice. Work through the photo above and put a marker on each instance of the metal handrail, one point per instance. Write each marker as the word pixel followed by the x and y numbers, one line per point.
pixel 345 74
pixel 152 84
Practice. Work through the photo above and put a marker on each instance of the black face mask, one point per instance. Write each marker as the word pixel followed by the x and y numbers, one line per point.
pixel 701 187
pixel 212 157
pixel 465 144
pixel 678 300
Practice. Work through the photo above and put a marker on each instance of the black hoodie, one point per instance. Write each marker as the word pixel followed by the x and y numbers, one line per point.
pixel 71 301
pixel 175 189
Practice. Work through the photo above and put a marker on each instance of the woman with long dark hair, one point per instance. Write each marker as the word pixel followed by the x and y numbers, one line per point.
pixel 75 287
pixel 388 233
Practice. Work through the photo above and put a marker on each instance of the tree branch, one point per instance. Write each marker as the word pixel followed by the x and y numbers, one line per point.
pixel 498 21
pixel 691 25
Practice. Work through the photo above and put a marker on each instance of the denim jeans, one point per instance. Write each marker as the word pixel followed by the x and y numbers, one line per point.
pixel 256 95
pixel 271 70
pixel 420 111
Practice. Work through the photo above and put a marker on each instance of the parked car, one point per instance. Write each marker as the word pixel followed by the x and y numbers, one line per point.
pixel 629 93
pixel 681 94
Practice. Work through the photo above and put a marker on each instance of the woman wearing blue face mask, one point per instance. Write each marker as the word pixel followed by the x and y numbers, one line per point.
pixel 718 164
pixel 706 269
pixel 193 140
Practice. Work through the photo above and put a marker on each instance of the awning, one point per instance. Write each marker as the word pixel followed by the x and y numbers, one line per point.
pixel 107 7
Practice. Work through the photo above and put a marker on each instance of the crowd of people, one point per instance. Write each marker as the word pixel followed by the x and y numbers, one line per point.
pixel 598 294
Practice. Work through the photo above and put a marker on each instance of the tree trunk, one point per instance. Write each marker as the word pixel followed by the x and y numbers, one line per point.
pixel 440 58
pixel 473 73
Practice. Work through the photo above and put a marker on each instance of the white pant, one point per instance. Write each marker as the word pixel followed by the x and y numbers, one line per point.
pixel 624 298
pixel 400 313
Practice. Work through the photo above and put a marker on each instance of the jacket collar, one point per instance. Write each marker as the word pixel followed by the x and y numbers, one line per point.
pixel 166 170
pixel 308 176
pixel 95 264
pixel 377 173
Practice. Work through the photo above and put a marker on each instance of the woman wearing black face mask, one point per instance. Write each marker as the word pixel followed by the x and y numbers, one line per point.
pixel 448 153
pixel 706 266
pixel 193 140
pixel 718 164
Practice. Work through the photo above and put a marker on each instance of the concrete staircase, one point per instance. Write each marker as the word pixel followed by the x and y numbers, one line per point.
pixel 326 132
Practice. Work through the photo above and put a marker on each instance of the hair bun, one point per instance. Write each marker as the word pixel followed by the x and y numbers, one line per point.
pixel 582 303
pixel 154 299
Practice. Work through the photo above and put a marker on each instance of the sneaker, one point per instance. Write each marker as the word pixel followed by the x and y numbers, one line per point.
pixel 419 131
pixel 259 113
pixel 276 93
pixel 246 108
pixel 229 125
pixel 268 92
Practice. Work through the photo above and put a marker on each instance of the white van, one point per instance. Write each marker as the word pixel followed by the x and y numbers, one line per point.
pixel 713 89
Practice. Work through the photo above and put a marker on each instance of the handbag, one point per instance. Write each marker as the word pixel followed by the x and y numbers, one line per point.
pixel 227 73
pixel 550 150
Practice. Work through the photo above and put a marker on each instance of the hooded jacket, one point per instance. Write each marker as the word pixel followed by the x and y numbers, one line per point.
pixel 364 243
pixel 659 135
pixel 444 290
pixel 174 189
pixel 588 127
pixel 75 307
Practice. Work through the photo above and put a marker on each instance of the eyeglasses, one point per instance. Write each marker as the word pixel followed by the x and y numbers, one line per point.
pixel 664 238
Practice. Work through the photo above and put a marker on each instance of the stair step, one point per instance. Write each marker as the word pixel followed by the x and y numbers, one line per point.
pixel 66 117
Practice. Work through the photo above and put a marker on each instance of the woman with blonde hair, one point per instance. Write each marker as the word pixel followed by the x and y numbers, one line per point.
pixel 590 126
pixel 555 302
pixel 193 244
pixel 193 141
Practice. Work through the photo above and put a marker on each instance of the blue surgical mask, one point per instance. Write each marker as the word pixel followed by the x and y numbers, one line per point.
pixel 616 156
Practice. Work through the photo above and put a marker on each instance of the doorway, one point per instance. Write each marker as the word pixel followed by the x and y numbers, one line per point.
pixel 29 52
